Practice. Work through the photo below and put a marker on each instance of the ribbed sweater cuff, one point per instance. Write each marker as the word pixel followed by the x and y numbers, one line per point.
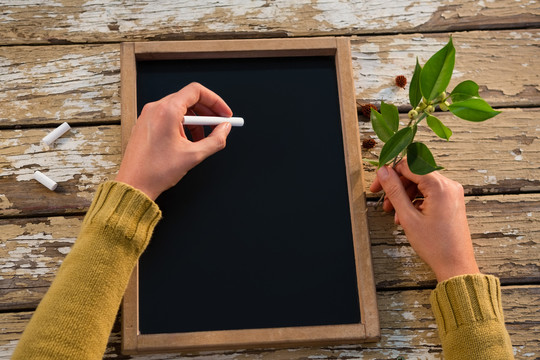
pixel 126 210
pixel 465 300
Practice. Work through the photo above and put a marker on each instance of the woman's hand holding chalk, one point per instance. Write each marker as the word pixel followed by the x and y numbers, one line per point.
pixel 212 120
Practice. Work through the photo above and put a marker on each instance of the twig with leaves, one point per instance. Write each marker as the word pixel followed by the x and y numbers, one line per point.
pixel 428 89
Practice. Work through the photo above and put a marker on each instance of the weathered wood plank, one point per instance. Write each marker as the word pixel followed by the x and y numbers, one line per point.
pixel 504 63
pixel 505 231
pixel 407 326
pixel 31 250
pixel 82 83
pixel 79 161
pixel 36 22
pixel 500 155
pixel 52 84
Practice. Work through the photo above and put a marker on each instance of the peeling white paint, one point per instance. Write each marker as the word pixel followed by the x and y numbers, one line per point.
pixel 76 85
pixel 7 348
pixel 408 315
pixel 399 252
pixel 72 155
pixel 64 250
pixel 350 15
pixel 517 154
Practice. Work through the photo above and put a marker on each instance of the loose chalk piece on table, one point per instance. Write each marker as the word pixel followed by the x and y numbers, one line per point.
pixel 212 120
pixel 45 180
pixel 56 133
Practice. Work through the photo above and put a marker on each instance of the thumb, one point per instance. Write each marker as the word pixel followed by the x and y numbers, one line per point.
pixel 395 193
pixel 215 141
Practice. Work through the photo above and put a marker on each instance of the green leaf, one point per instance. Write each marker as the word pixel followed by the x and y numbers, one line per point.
pixel 415 95
pixel 439 128
pixel 437 72
pixel 381 128
pixel 420 159
pixel 473 109
pixel 390 115
pixel 396 144
pixel 464 90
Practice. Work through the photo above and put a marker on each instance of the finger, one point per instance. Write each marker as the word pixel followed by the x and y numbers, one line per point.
pixel 409 186
pixel 215 141
pixel 375 187
pixel 402 168
pixel 202 110
pixel 194 94
pixel 411 189
pixel 418 204
pixel 387 205
pixel 395 192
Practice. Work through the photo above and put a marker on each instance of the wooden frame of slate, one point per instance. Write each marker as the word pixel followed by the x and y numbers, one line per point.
pixel 363 328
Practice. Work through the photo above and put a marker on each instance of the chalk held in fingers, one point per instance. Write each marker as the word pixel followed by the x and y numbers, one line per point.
pixel 45 180
pixel 56 133
pixel 212 120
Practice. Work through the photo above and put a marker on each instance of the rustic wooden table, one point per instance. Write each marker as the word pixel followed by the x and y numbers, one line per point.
pixel 59 61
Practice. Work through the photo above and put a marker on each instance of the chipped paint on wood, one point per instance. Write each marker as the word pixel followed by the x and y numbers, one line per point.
pixel 31 250
pixel 56 84
pixel 480 157
pixel 395 263
pixel 80 160
pixel 413 336
pixel 498 68
pixel 46 85
pixel 81 83
pixel 97 20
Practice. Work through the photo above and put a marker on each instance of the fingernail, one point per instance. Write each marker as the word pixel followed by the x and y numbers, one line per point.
pixel 382 173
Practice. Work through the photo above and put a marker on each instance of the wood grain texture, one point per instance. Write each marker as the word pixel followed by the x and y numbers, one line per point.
pixel 63 21
pixel 81 83
pixel 505 231
pixel 407 325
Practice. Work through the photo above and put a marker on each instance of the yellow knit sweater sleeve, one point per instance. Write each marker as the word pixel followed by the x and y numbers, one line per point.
pixel 470 318
pixel 75 318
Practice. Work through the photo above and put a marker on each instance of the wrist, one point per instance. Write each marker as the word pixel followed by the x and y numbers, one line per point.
pixel 453 271
pixel 148 191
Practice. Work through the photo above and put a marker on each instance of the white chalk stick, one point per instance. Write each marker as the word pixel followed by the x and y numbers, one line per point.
pixel 212 120
pixel 45 180
pixel 56 133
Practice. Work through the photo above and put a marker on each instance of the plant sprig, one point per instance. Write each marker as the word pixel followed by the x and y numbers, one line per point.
pixel 427 90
